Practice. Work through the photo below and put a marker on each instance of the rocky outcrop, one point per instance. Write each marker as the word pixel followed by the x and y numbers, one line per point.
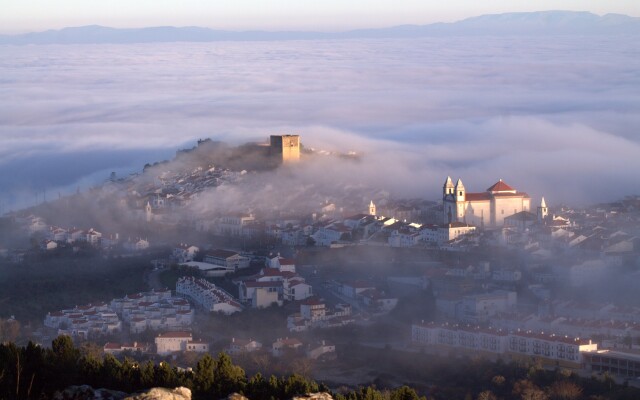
pixel 314 396
pixel 179 393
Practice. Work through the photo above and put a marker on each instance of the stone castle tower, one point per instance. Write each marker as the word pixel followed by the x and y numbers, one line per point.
pixel 285 147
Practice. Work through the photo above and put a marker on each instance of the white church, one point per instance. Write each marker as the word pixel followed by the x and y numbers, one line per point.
pixel 485 209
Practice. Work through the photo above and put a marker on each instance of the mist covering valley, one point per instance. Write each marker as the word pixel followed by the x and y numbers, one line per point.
pixel 156 146
pixel 562 110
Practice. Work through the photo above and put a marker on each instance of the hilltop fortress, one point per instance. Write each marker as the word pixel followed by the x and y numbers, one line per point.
pixel 285 147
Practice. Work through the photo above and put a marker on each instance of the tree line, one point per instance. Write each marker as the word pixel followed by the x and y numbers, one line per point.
pixel 33 371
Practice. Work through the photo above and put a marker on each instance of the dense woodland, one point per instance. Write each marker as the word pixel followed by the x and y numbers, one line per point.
pixel 32 371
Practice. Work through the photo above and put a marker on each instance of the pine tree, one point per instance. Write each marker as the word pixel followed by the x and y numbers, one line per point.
pixel 204 375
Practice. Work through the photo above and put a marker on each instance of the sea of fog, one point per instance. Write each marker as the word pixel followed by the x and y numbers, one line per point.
pixel 557 117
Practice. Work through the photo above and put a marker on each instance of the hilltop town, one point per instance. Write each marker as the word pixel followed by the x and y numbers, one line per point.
pixel 295 276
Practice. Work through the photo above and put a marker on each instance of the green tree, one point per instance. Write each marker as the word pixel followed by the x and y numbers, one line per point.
pixel 369 393
pixel 228 378
pixel 147 374
pixel 258 388
pixel 91 367
pixel 204 375
pixel 111 372
pixel 297 384
pixel 404 393
pixel 63 360
pixel 164 375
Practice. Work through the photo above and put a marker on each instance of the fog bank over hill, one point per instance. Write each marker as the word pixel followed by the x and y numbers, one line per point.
pixel 541 23
pixel 551 117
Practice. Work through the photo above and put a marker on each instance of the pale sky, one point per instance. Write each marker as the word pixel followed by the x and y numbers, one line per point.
pixel 18 16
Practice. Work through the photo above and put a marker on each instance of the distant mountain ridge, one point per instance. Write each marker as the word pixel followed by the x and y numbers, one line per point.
pixel 514 24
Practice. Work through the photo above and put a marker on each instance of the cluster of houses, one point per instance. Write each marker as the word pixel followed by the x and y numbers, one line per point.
pixel 84 322
pixel 282 346
pixel 335 232
pixel 207 295
pixel 175 342
pixel 155 310
pixel 276 283
pixel 56 236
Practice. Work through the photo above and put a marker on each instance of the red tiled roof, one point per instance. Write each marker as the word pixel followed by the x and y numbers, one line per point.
pixel 484 196
pixel 311 301
pixel 500 186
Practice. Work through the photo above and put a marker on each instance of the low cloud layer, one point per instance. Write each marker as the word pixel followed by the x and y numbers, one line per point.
pixel 555 118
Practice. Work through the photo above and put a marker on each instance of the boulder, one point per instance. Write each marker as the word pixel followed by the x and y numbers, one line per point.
pixel 179 393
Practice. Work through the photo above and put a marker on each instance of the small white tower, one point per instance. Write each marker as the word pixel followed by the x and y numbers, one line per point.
pixel 448 187
pixel 460 197
pixel 372 208
pixel 543 211
pixel 460 191
pixel 148 212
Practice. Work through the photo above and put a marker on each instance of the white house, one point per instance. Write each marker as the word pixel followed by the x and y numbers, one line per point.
pixel 320 349
pixel 49 245
pixel 377 300
pixel 296 289
pixel 171 342
pixel 353 288
pixel 136 245
pixel 241 346
pixel 183 253
pixel 280 346
pixel 282 264
pixel 331 233
pixel 93 236
pixel 232 225
pixel 230 260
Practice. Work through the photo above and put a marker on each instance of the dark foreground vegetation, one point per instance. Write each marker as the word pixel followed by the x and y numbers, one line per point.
pixel 34 372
